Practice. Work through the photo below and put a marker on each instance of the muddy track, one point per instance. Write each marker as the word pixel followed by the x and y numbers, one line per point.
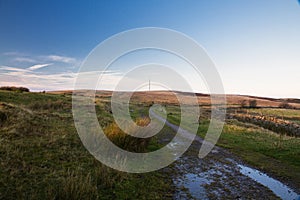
pixel 220 175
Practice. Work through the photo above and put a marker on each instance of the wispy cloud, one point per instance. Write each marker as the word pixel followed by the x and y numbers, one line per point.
pixel 13 53
pixel 6 68
pixel 23 70
pixel 37 81
pixel 60 81
pixel 29 69
pixel 57 58
pixel 18 57
pixel 38 66
pixel 24 59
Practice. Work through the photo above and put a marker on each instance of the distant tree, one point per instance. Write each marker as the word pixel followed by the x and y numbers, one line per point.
pixel 252 103
pixel 243 103
pixel 23 89
pixel 16 89
pixel 285 104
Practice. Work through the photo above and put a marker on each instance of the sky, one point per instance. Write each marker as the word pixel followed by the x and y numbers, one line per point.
pixel 255 44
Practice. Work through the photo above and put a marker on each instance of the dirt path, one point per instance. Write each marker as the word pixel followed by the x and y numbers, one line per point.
pixel 220 175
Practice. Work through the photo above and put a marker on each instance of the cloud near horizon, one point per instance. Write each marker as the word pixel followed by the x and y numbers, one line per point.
pixel 12 53
pixel 63 59
pixel 20 69
pixel 27 58
pixel 38 66
pixel 11 76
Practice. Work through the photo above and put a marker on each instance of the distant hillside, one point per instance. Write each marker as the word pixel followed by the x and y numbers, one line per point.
pixel 170 97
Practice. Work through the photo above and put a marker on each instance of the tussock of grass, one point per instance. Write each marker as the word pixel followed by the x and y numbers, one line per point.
pixel 77 186
pixel 125 141
pixel 3 117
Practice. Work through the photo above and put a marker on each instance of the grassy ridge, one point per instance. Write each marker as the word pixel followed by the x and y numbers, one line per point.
pixel 42 156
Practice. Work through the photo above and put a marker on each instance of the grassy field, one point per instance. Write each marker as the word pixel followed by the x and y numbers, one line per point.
pixel 42 156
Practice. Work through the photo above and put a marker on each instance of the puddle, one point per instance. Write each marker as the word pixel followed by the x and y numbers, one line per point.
pixel 281 190
pixel 195 185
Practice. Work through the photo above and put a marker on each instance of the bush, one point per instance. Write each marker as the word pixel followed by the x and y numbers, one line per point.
pixel 15 89
pixel 286 105
pixel 3 117
pixel 252 103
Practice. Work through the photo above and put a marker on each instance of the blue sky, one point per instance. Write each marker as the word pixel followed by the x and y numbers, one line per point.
pixel 255 44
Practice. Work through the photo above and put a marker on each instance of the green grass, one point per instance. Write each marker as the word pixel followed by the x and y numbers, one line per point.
pixel 42 157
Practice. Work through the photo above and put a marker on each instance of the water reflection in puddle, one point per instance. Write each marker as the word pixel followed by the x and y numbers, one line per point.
pixel 195 185
pixel 277 187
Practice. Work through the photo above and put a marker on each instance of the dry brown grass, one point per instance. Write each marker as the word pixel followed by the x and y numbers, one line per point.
pixel 169 97
pixel 125 141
